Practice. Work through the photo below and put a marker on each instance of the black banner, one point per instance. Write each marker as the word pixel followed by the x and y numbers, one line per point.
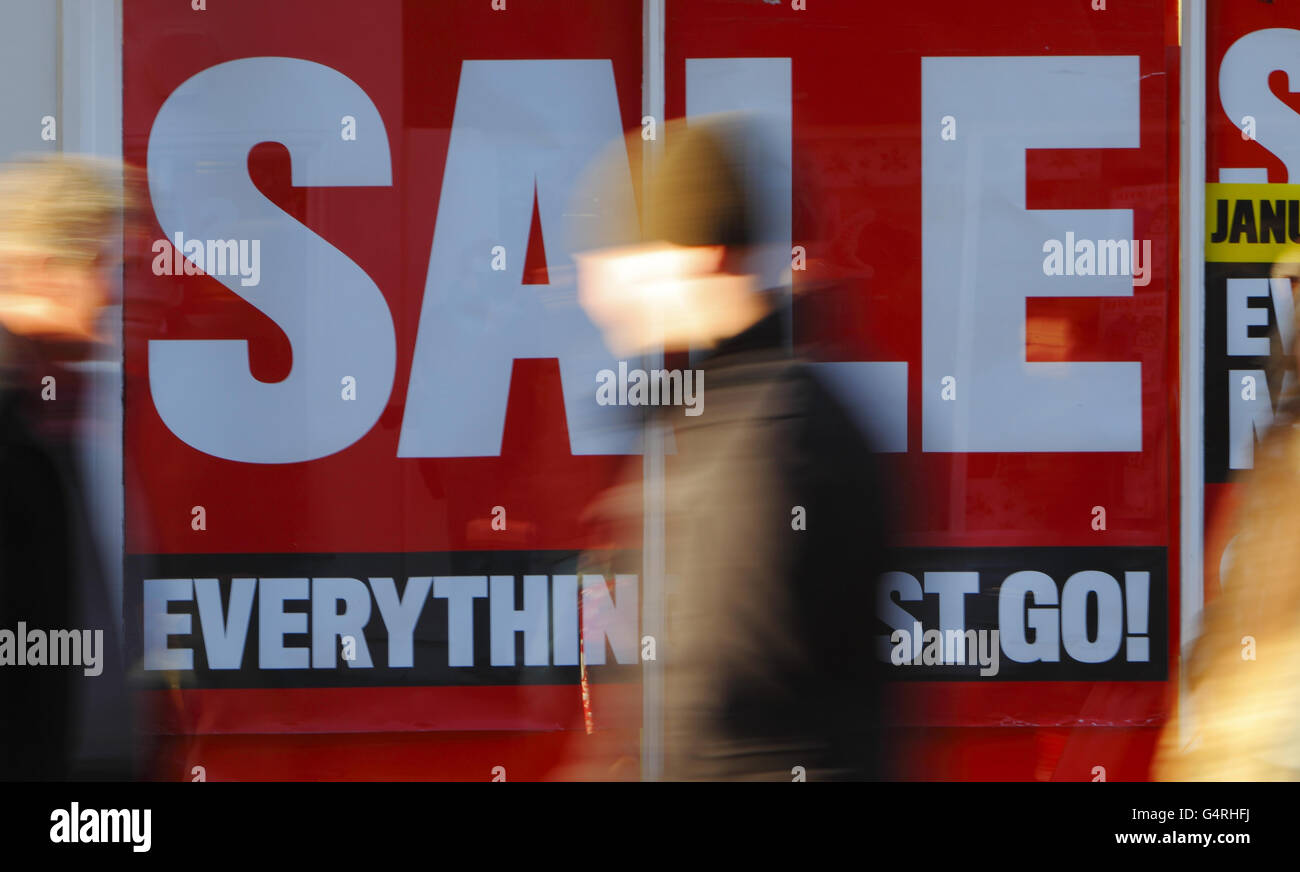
pixel 366 620
pixel 1025 614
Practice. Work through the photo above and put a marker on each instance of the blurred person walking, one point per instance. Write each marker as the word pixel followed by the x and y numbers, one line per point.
pixel 774 525
pixel 1243 675
pixel 58 220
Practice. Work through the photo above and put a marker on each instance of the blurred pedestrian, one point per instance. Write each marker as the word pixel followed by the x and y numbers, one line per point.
pixel 59 218
pixel 1243 675
pixel 774 521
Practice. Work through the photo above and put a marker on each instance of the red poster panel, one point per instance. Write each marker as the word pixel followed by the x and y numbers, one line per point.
pixel 1252 171
pixel 1252 259
pixel 953 176
pixel 356 466
pixel 347 353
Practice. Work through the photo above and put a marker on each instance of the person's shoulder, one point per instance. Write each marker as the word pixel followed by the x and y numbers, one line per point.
pixel 822 407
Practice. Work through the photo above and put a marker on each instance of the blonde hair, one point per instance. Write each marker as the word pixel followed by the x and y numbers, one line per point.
pixel 64 207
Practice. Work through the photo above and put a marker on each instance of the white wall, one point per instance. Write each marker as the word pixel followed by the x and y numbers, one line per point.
pixel 29 80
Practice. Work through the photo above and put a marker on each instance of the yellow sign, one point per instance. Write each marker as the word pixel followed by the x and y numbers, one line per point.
pixel 1252 223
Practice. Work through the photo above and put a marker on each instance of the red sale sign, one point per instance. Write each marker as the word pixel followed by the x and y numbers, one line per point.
pixel 351 391
pixel 360 440
pixel 1252 225
pixel 992 198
